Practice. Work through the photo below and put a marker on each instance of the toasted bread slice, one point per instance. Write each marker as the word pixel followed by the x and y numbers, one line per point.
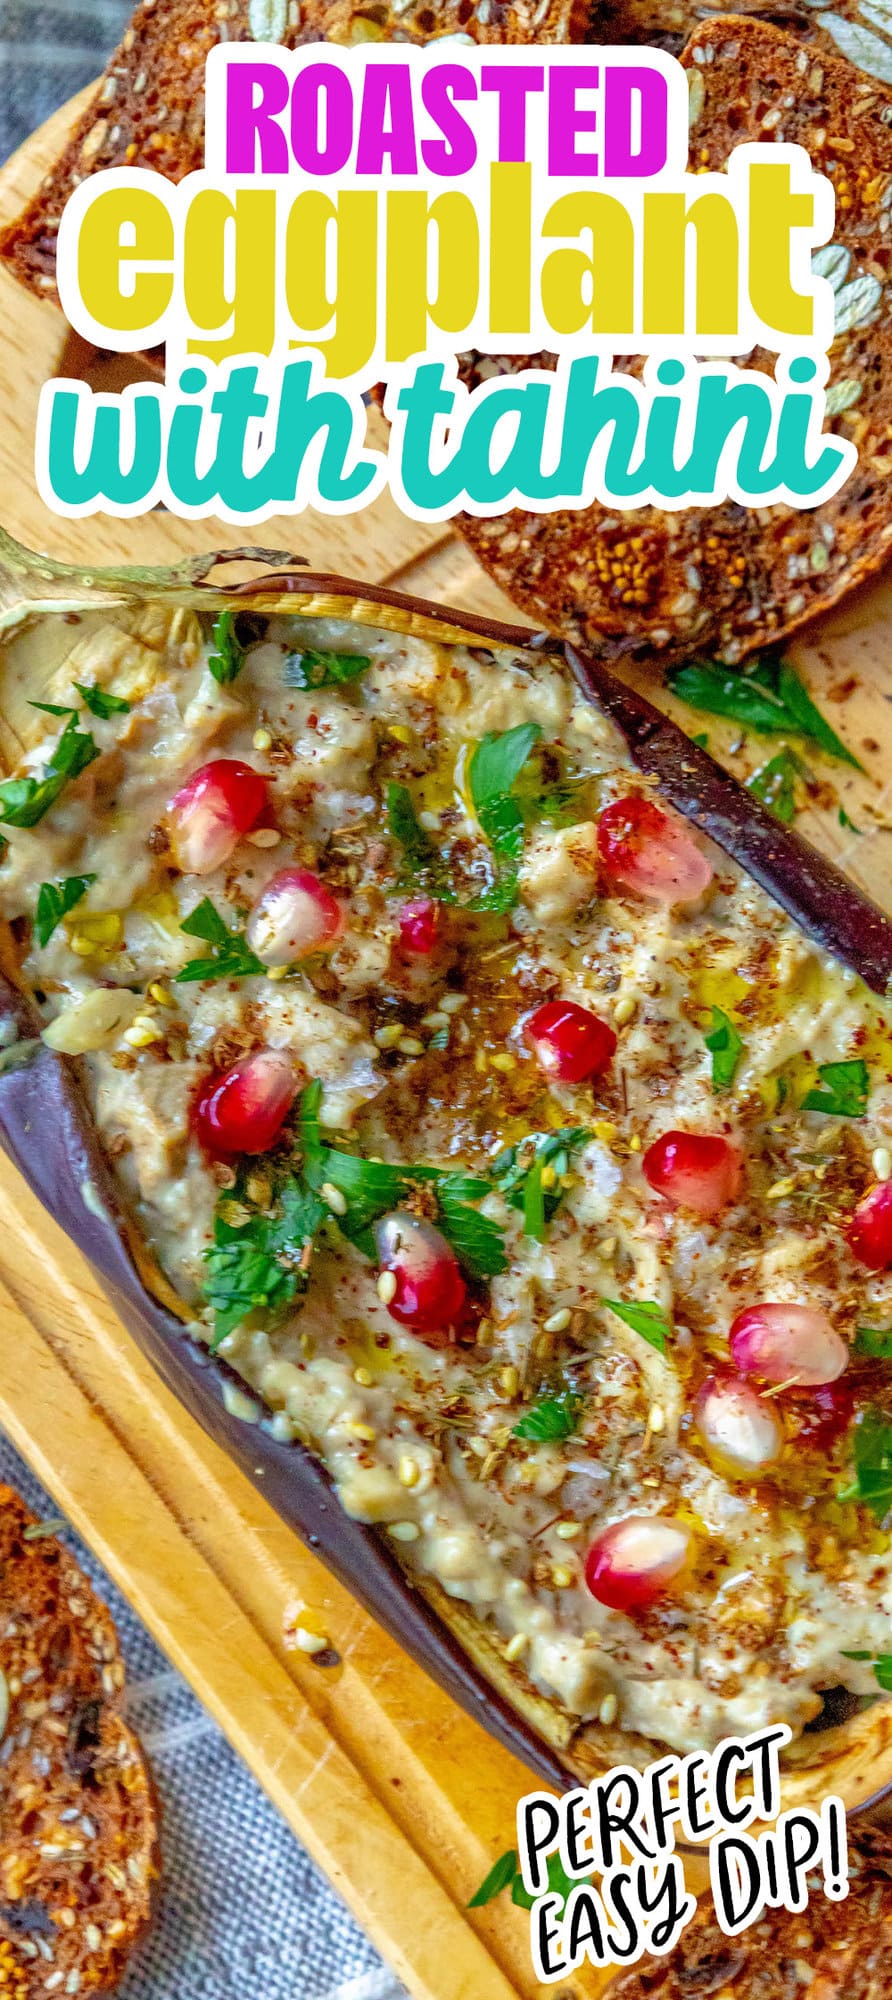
pixel 725 579
pixel 666 24
pixel 835 1950
pixel 149 108
pixel 78 1820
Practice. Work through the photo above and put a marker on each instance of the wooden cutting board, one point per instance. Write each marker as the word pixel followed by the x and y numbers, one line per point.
pixel 400 1797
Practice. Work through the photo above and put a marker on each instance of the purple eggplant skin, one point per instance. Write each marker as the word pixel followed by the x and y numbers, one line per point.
pixel 46 1130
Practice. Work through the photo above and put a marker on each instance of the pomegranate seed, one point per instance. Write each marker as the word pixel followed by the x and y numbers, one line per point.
pixel 827 1415
pixel 695 1170
pixel 646 850
pixel 740 1430
pixel 419 927
pixel 209 814
pixel 243 1110
pixel 869 1234
pixel 788 1344
pixel 570 1042
pixel 430 1290
pixel 634 1562
pixel 295 915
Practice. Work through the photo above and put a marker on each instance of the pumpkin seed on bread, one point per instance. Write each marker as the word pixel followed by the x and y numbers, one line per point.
pixel 78 1818
pixel 149 108
pixel 729 580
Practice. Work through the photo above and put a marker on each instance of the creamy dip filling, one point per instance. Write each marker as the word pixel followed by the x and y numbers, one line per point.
pixel 425 1060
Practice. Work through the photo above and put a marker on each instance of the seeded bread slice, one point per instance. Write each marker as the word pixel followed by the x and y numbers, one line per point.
pixel 833 1950
pixel 729 580
pixel 863 33
pixel 78 1820
pixel 149 108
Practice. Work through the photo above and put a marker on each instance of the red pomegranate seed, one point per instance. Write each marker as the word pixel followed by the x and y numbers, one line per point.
pixel 243 1109
pixel 209 814
pixel 634 1562
pixel 869 1234
pixel 429 1291
pixel 782 1343
pixel 570 1042
pixel 295 915
pixel 695 1170
pixel 741 1431
pixel 652 853
pixel 419 927
pixel 828 1414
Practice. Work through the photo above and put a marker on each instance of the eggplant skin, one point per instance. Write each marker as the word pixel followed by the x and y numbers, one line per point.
pixel 46 1130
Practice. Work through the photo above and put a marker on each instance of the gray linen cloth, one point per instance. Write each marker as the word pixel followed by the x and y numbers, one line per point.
pixel 245 1915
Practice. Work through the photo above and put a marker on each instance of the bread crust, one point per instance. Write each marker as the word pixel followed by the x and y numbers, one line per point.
pixel 728 580
pixel 79 1855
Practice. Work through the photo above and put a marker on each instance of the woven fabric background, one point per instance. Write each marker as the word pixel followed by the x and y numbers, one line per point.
pixel 244 1915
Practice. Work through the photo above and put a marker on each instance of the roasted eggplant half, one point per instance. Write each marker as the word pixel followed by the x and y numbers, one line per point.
pixel 479 1109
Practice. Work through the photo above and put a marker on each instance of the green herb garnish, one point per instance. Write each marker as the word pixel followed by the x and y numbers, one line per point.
pixel 23 801
pixel 518 1173
pixel 260 1265
pixel 882 1667
pixel 875 1341
pixel 845 1093
pixel 501 1876
pixel 230 957
pixel 848 823
pixel 229 657
pixel 101 703
pixel 424 867
pixel 769 698
pixel 550 1420
pixel 317 670
pixel 54 900
pixel 646 1318
pixel 774 785
pixel 725 1047
pixel 505 1874
pixel 497 761
pixel 872 1449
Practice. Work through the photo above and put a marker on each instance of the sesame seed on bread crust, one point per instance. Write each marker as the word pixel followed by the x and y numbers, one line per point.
pixel 729 579
pixel 78 1818
pixel 149 108
pixel 832 1950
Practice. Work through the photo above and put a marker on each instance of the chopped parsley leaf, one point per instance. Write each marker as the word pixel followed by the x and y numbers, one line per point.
pixel 882 1667
pixel 424 867
pixel 501 1876
pixel 874 1341
pixel 497 761
pixel 644 1317
pixel 230 957
pixel 54 900
pixel 845 1093
pixel 549 1420
pixel 505 1874
pixel 310 669
pixel 259 1265
pixel 848 823
pixel 23 801
pixel 872 1449
pixel 229 657
pixel 774 784
pixel 101 703
pixel 726 1048
pixel 518 1173
pixel 769 697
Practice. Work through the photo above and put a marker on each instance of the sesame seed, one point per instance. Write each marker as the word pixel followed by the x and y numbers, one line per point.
pixel 635 1143
pixel 262 740
pixel 504 1061
pixel 160 994
pixel 364 1377
pixel 607 1249
pixel 509 1380
pixel 404 1531
pixel 333 1198
pixel 278 971
pixel 430 821
pixel 143 1032
pixel 568 1530
pixel 548 1175
pixel 781 1188
pixel 656 1419
pixel 517 1646
pixel 452 1003
pixel 559 1321
pixel 387 1037
pixel 625 1009
pixel 562 1577
pixel 364 1432
pixel 264 836
pixel 409 1045
pixel 407 1471
pixel 882 1163
pixel 387 1287
pixel 608 1710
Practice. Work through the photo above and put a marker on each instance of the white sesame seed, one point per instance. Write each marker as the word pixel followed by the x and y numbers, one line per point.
pixel 262 739
pixel 558 1322
pixel 404 1531
pixel 608 1710
pixel 436 1020
pixel 333 1198
pixel 882 1163
pixel 364 1377
pixel 561 1577
pixel 517 1646
pixel 309 1642
pixel 568 1530
pixel 625 1009
pixel 264 836
pixel 409 1045
pixel 656 1420
pixel 430 821
pixel 452 1003
pixel 388 1036
pixel 408 1471
pixel 387 1287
